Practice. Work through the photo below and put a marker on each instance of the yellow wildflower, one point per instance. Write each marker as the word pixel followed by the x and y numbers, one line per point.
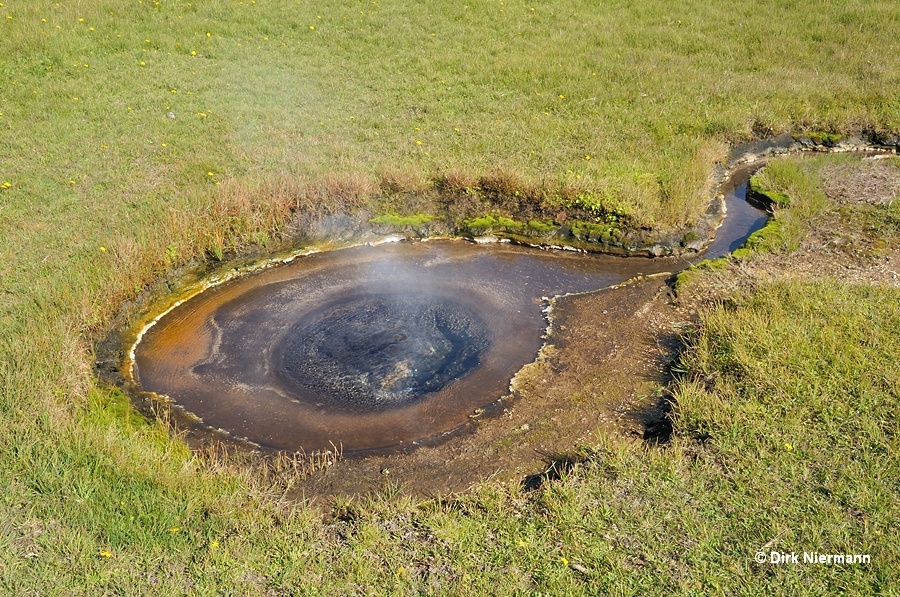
pixel 105 554
pixel 174 529
pixel 103 249
pixel 6 185
pixel 564 561
pixel 209 174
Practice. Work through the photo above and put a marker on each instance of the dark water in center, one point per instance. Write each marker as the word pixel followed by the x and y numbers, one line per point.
pixel 379 351
pixel 378 346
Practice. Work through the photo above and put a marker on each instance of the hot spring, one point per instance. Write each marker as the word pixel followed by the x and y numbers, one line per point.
pixel 374 348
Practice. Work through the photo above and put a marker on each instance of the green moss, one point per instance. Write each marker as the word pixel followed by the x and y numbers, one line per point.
pixel 541 227
pixel 690 237
pixel 686 276
pixel 491 222
pixel 393 219
pixel 768 239
pixel 824 138
pixel 594 232
pixel 760 191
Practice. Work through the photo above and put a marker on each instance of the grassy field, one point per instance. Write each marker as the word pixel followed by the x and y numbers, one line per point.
pixel 137 135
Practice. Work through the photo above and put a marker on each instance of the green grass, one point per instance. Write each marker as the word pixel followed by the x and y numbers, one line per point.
pixel 792 396
pixel 619 108
pixel 629 104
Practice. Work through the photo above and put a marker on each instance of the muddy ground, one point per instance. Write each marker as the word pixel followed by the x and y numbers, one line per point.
pixel 607 361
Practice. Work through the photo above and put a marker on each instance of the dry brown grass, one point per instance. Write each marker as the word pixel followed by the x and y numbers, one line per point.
pixel 266 472
pixel 394 181
pixel 454 181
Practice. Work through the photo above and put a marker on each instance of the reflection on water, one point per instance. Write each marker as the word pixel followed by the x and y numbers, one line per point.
pixel 373 347
pixel 743 220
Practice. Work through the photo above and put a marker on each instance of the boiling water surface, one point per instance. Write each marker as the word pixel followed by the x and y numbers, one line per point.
pixel 373 347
